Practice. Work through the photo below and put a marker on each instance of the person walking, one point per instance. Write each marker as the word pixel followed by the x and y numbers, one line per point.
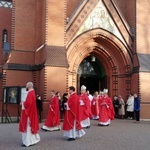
pixel 29 125
pixel 58 95
pixel 85 108
pixel 95 106
pixel 106 110
pixel 52 122
pixel 72 121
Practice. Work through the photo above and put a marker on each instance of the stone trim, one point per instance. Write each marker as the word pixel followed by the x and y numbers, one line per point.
pixel 144 62
pixel 23 67
pixel 145 103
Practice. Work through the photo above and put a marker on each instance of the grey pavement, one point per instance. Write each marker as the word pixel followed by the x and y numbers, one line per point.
pixel 120 135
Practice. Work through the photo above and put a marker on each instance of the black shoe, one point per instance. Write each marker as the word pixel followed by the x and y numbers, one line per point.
pixel 103 125
pixel 26 146
pixel 44 129
pixel 71 139
pixel 100 125
pixel 87 127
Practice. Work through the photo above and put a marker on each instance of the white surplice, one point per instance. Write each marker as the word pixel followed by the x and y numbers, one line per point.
pixel 28 138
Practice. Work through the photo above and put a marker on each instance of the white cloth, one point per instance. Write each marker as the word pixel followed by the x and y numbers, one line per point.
pixel 66 106
pixel 28 138
pixel 95 117
pixel 90 98
pixel 81 102
pixel 23 100
pixel 73 133
pixel 105 123
pixel 85 123
pixel 52 128
pixel 130 104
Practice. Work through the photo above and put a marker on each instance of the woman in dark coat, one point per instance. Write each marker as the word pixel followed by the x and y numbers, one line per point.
pixel 116 105
pixel 64 100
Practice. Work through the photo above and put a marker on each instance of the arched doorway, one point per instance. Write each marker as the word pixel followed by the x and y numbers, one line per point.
pixel 91 73
pixel 111 53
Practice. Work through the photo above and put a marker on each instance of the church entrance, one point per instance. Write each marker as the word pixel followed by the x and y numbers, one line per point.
pixel 91 73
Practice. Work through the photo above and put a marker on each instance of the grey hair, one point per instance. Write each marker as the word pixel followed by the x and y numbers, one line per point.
pixel 29 85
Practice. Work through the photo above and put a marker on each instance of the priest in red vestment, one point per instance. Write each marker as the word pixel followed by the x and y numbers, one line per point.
pixel 95 106
pixel 29 125
pixel 72 126
pixel 106 110
pixel 85 108
pixel 52 122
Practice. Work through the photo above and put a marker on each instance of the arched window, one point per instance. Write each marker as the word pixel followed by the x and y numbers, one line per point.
pixel 5 37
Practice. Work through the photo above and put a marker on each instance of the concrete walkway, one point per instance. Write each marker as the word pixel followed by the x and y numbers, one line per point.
pixel 120 135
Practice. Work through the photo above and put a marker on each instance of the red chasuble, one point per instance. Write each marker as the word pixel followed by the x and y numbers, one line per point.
pixel 85 108
pixel 72 114
pixel 106 111
pixel 30 112
pixel 53 118
pixel 95 106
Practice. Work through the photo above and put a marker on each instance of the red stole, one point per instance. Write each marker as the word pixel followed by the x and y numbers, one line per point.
pixel 30 112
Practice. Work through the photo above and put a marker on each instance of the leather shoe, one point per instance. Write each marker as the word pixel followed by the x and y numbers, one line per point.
pixel 71 139
pixel 44 129
pixel 23 145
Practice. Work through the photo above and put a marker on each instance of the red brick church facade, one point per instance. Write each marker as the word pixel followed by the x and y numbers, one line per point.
pixel 59 43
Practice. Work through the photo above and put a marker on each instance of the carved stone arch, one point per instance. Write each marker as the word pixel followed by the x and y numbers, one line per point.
pixel 104 36
pixel 106 47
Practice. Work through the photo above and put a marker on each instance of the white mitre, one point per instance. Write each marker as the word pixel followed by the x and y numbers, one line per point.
pixel 83 87
pixel 105 91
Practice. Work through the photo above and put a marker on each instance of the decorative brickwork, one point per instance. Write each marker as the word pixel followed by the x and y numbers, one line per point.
pixel 13 25
pixel 56 56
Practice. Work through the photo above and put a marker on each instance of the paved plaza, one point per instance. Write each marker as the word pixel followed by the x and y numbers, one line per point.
pixel 120 135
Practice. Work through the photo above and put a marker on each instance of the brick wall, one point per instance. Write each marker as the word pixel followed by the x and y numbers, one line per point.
pixel 5 23
pixel 71 6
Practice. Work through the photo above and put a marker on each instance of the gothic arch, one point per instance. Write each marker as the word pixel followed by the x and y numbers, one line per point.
pixel 106 47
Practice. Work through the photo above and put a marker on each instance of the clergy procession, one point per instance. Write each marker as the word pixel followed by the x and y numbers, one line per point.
pixel 75 111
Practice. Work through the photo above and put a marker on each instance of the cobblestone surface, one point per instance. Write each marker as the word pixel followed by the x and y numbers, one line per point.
pixel 120 135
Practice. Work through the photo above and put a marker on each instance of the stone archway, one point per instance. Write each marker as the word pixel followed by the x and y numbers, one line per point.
pixel 116 59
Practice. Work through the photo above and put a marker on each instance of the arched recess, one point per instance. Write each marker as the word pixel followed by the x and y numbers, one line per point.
pixel 116 59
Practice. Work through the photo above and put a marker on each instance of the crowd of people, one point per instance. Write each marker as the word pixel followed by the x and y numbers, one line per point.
pixel 129 109
pixel 75 110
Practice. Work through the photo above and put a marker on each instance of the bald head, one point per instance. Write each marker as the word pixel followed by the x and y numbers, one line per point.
pixel 29 86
